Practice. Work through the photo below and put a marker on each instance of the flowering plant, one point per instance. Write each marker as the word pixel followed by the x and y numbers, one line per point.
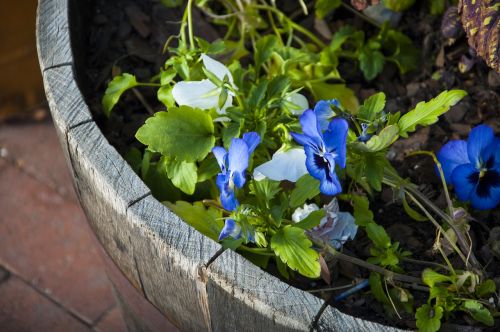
pixel 247 162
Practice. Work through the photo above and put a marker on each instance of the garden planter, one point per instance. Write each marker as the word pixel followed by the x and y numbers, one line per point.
pixel 187 276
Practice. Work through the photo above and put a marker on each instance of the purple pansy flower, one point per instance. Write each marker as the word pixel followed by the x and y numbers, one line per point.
pixel 233 164
pixel 323 150
pixel 473 167
pixel 231 228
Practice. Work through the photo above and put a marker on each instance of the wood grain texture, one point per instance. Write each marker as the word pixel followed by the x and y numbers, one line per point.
pixel 53 36
pixel 333 320
pixel 106 187
pixel 170 259
pixel 242 297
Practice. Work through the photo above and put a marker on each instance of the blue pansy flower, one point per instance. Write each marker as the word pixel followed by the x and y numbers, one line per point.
pixel 323 150
pixel 324 112
pixel 233 164
pixel 231 228
pixel 364 137
pixel 473 167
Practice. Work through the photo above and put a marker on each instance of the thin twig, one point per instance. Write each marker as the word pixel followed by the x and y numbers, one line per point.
pixel 143 101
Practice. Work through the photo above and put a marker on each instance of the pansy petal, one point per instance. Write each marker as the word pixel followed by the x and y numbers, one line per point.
pixel 324 112
pixel 479 139
pixel 201 94
pixel 451 155
pixel 239 179
pixel 216 68
pixel 252 139
pixel 335 139
pixel 330 185
pixel 310 127
pixel 300 101
pixel 464 178
pixel 220 154
pixel 238 155
pixel 485 202
pixel 497 153
pixel 289 165
pixel 231 228
pixel 227 196
pixel 316 166
pixel 304 140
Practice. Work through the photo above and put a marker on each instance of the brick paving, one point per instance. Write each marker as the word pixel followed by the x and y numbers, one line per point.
pixel 52 277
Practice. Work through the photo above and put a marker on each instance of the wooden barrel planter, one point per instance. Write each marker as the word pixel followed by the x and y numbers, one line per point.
pixel 187 276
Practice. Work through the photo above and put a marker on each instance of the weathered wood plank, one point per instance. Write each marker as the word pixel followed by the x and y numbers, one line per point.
pixel 333 320
pixel 170 258
pixel 242 297
pixel 106 186
pixel 53 36
pixel 65 100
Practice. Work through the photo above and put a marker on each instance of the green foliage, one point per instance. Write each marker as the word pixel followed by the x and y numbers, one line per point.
pixel 323 7
pixel 371 62
pixel 171 3
pixel 312 220
pixel 183 133
pixel 398 5
pixel 306 188
pixel 293 247
pixel 115 89
pixel 429 318
pixel 183 174
pixel 208 221
pixel 427 113
pixel 371 107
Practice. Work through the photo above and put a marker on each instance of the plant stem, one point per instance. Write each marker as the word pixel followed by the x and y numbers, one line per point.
pixel 190 23
pixel 361 15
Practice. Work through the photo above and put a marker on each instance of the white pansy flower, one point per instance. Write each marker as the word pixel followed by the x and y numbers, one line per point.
pixel 302 213
pixel 204 94
pixel 285 165
pixel 300 103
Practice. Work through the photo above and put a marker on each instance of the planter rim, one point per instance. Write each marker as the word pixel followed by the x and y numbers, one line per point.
pixel 187 276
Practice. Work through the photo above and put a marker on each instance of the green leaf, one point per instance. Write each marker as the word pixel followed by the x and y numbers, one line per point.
pixel 427 113
pixel 115 89
pixel 429 318
pixel 265 190
pixel 378 292
pixel 312 220
pixel 398 5
pixel 372 106
pixel 374 166
pixel 410 211
pixel 293 247
pixel 306 188
pixel 437 7
pixel 371 63
pixel 431 277
pixel 134 158
pixel 478 312
pixel 206 220
pixel 165 96
pixel 171 3
pixel 183 174
pixel 282 268
pixel 278 85
pixel 327 91
pixel 378 142
pixel 183 133
pixel 263 49
pixel 258 94
pixel 486 288
pixel 362 213
pixel 341 36
pixel 323 7
pixel 378 235
pixel 230 132
pixel 208 169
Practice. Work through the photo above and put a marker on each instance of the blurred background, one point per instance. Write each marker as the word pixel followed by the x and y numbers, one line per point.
pixel 52 270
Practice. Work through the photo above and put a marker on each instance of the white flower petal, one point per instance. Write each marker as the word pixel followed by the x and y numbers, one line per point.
pixel 289 165
pixel 216 68
pixel 300 101
pixel 200 94
pixel 302 213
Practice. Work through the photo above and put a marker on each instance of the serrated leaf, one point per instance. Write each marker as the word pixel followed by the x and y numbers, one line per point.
pixel 429 318
pixel 323 7
pixel 306 188
pixel 264 48
pixel 362 213
pixel 165 96
pixel 183 133
pixel 378 235
pixel 341 36
pixel 115 89
pixel 312 220
pixel 478 312
pixel 427 113
pixel 371 63
pixel 208 221
pixel 431 277
pixel 327 91
pixel 486 288
pixel 378 142
pixel 372 106
pixel 183 174
pixel 294 248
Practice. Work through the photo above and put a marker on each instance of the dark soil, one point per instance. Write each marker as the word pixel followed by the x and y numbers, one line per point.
pixel 128 36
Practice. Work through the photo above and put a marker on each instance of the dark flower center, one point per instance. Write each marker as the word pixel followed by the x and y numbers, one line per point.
pixel 485 180
pixel 323 164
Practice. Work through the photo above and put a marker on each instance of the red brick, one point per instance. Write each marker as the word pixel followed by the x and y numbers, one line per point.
pixel 112 322
pixel 36 149
pixel 24 309
pixel 47 241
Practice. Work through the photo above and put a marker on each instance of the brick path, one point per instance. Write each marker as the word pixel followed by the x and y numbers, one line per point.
pixel 52 276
